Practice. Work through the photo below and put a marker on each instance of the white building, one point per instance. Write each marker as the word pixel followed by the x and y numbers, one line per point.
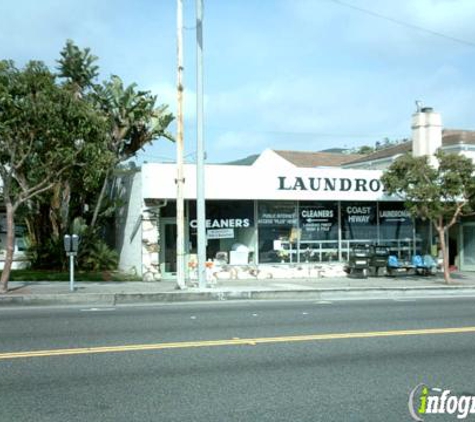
pixel 284 208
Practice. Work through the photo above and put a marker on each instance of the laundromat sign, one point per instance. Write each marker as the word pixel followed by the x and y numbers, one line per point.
pixel 329 184
pixel 268 181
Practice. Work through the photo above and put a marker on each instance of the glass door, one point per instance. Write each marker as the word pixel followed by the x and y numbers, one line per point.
pixel 467 247
pixel 168 232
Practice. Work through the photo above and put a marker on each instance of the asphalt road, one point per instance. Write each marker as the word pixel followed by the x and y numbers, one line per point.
pixel 161 366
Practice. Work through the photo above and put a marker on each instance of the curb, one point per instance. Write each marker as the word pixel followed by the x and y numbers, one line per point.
pixel 343 293
pixel 104 299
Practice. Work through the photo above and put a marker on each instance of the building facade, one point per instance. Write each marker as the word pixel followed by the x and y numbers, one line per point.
pixel 281 209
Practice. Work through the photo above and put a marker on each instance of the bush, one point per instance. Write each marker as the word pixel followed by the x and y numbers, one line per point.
pixel 99 257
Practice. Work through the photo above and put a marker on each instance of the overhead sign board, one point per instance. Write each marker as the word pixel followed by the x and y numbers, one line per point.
pixel 252 183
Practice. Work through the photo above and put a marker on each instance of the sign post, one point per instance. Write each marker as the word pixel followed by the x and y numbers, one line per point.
pixel 71 245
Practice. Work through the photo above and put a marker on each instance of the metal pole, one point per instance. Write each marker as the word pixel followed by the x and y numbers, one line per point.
pixel 200 184
pixel 180 181
pixel 71 272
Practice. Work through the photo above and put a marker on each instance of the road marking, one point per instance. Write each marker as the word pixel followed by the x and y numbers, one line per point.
pixel 404 300
pixel 98 309
pixel 232 342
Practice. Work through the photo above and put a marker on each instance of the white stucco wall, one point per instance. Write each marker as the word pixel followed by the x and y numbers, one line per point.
pixel 426 133
pixel 129 223
pixel 469 153
pixel 265 182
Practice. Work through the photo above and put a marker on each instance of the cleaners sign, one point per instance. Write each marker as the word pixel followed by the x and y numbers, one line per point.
pixel 314 220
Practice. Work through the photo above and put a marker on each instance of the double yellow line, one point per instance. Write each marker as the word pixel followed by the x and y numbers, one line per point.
pixel 231 342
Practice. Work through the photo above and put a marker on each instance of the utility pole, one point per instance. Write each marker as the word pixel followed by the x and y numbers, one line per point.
pixel 200 185
pixel 180 180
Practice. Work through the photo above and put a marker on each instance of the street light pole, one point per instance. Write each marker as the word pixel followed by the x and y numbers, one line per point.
pixel 180 180
pixel 200 185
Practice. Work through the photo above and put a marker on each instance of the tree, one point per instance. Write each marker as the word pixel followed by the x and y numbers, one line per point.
pixel 132 116
pixel 131 119
pixel 78 68
pixel 440 194
pixel 363 150
pixel 44 129
pixel 61 137
pixel 134 121
pixel 378 146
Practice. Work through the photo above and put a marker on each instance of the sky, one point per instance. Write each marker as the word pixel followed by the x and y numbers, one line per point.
pixel 303 75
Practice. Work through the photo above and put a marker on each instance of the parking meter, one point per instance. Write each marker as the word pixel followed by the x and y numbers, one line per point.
pixel 74 243
pixel 71 246
pixel 67 243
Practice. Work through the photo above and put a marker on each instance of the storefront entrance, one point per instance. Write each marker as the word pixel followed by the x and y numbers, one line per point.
pixel 168 232
pixel 467 247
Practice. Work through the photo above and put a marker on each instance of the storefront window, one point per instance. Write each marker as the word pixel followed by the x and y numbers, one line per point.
pixel 230 231
pixel 359 224
pixel 318 231
pixel 278 233
pixel 396 229
pixel 424 237
pixel 169 210
pixel 308 231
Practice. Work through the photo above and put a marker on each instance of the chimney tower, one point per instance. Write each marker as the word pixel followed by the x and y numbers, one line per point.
pixel 426 133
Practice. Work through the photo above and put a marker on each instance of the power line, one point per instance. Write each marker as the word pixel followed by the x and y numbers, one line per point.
pixel 402 23
pixel 251 131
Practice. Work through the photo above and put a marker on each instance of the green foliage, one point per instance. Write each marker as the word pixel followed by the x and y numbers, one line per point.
pixel 386 143
pixel 94 254
pixel 44 129
pixel 441 194
pixel 61 137
pixel 99 257
pixel 41 125
pixel 363 150
pixel 48 275
pixel 445 192
pixel 133 117
pixel 47 254
pixel 77 67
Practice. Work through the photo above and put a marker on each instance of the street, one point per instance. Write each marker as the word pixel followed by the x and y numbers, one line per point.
pixel 160 363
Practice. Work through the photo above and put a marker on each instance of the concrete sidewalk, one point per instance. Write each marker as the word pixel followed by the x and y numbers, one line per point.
pixel 107 293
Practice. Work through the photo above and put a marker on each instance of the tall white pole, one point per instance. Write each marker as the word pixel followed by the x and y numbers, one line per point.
pixel 180 181
pixel 200 185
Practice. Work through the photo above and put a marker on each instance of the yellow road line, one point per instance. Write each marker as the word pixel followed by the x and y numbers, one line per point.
pixel 232 342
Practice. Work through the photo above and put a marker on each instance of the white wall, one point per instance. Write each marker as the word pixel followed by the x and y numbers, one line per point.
pixel 470 154
pixel 262 183
pixel 426 134
pixel 129 223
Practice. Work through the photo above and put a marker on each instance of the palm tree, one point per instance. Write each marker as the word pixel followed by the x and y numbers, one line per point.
pixel 78 68
pixel 132 116
pixel 134 122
